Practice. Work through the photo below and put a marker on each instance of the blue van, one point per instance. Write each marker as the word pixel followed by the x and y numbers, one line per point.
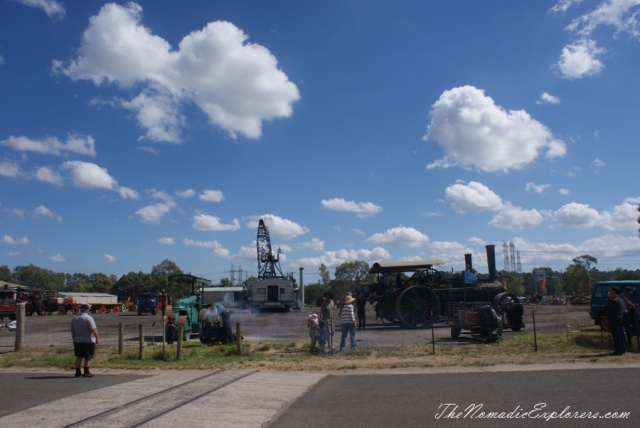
pixel 600 295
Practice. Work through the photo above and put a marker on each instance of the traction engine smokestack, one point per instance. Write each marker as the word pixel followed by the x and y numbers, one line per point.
pixel 468 263
pixel 491 261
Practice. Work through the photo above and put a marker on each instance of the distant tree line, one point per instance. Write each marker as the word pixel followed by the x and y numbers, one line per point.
pixel 577 278
pixel 125 287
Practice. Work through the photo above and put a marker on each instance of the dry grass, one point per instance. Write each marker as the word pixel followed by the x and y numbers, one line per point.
pixel 295 356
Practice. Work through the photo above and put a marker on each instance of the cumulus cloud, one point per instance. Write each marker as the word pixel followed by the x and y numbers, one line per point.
pixel 218 249
pixel 80 144
pixel 278 227
pixel 580 59
pixel 237 84
pixel 536 188
pixel 620 14
pixel 475 132
pixel 53 8
pixel 109 258
pixel 166 241
pixel 211 223
pixel 620 217
pixel 9 169
pixel 315 244
pixel 511 217
pixel 185 193
pixel 153 213
pixel 42 211
pixel 57 258
pixel 6 239
pixel 472 197
pixel 577 215
pixel 335 258
pixel 211 196
pixel 400 236
pixel 48 175
pixel 546 98
pixel 362 209
pixel 623 216
pixel 92 176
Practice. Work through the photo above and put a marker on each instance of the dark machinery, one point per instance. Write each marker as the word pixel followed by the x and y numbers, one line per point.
pixel 272 289
pixel 421 300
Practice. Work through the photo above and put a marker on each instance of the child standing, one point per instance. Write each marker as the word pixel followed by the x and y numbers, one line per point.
pixel 313 325
pixel 323 333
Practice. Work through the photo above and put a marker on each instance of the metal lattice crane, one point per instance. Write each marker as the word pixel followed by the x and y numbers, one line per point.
pixel 268 262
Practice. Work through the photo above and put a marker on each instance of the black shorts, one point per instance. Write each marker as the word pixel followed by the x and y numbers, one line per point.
pixel 84 350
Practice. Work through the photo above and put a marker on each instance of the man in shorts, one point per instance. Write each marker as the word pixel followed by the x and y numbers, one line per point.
pixel 85 339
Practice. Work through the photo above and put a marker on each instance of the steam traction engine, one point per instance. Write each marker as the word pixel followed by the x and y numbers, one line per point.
pixel 432 295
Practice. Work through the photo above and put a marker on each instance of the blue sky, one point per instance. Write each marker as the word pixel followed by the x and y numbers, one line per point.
pixel 359 130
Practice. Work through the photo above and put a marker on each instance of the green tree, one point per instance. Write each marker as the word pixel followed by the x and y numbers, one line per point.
pixel 580 276
pixel 324 275
pixel 36 277
pixel 5 274
pixel 100 283
pixel 225 282
pixel 160 274
pixel 313 292
pixel 516 285
pixel 128 285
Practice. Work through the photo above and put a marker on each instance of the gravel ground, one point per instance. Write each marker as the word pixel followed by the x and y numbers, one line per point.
pixel 53 330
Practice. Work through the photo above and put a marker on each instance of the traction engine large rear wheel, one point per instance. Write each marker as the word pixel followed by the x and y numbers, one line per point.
pixel 417 307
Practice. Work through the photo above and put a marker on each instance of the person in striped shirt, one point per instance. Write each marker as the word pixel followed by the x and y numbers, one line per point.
pixel 349 324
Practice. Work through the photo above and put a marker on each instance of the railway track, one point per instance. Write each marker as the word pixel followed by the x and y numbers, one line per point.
pixel 146 409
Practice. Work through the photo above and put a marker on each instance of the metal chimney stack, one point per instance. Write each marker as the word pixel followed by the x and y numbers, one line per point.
pixel 491 261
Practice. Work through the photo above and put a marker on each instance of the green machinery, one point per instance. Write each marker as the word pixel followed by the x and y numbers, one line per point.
pixel 186 310
pixel 430 295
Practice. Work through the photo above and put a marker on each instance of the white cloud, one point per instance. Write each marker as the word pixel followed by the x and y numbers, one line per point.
pixel 598 163
pixel 153 213
pixel 185 193
pixel 9 169
pixel 511 217
pixel 536 188
pixel 211 223
pixel 109 258
pixel 166 241
pixel 546 98
pixel 472 197
pixel 621 14
pixel 211 196
pixel 149 150
pixel 218 250
pixel 400 236
pixel 315 244
pixel 278 227
pixel 623 216
pixel 14 254
pixel 92 176
pixel 580 59
pixel 6 239
pixel 53 8
pixel 577 215
pixel 48 175
pixel 335 258
pixel 57 258
pixel 563 191
pixel 237 84
pixel 42 211
pixel 473 131
pixel 362 209
pixel 80 144
pixel 563 5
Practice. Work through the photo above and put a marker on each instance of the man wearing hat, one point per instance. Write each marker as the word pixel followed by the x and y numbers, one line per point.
pixel 85 338
pixel 348 322
pixel 170 330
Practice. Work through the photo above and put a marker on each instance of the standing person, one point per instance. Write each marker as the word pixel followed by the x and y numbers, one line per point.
pixel 225 315
pixel 170 330
pixel 613 311
pixel 85 338
pixel 361 303
pixel 327 313
pixel 312 324
pixel 348 323
pixel 627 310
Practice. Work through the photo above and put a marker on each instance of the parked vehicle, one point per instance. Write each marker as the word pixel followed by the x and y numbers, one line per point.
pixel 147 301
pixel 600 295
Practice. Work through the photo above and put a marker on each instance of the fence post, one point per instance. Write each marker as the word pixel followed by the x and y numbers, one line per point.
pixel 179 345
pixel 239 337
pixel 20 321
pixel 141 340
pixel 120 338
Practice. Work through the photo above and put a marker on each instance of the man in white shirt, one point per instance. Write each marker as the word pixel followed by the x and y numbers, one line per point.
pixel 85 339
